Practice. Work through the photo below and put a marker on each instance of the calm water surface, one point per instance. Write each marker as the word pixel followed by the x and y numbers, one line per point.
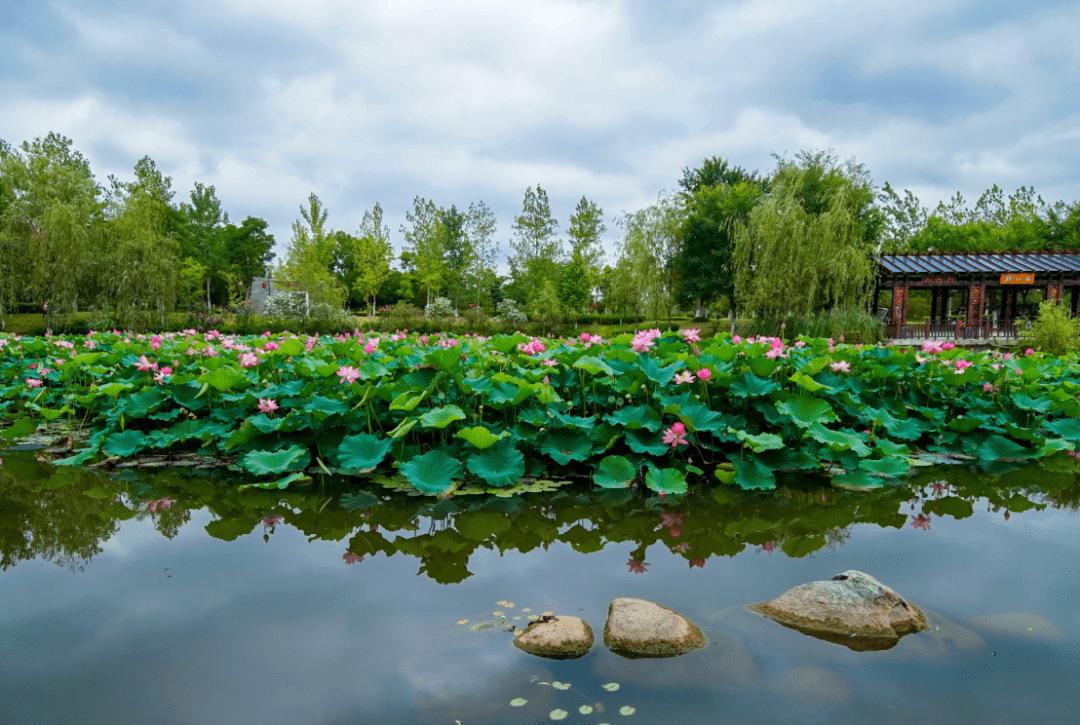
pixel 210 609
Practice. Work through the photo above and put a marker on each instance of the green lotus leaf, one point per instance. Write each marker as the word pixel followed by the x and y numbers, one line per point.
pixel 807 383
pixel 965 424
pixel 614 472
pixel 665 480
pixel 805 410
pixel 481 525
pixel 322 408
pixel 434 472
pixel 635 417
pixel 997 447
pixel 224 379
pixel 500 465
pixel 838 440
pixel 644 441
pixel 654 372
pixel 697 417
pixel 480 437
pixel 124 444
pixel 264 463
pixel 593 366
pixel 113 389
pixel 889 466
pixel 566 445
pixel 441 417
pixel 750 473
pixel 19 429
pixel 751 386
pixel 506 344
pixel 363 452
pixel 407 400
pixel 1067 428
pixel 447 360
pixel 290 348
pixel 372 369
pixel 758 442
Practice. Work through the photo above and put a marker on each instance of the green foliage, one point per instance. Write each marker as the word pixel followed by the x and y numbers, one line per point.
pixel 1054 331
pixel 574 286
pixel 537 251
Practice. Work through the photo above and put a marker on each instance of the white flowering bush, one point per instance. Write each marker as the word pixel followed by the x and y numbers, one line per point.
pixel 291 305
pixel 508 313
pixel 440 307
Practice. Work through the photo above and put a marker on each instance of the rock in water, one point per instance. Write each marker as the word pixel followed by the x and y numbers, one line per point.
pixel 556 637
pixel 853 609
pixel 637 628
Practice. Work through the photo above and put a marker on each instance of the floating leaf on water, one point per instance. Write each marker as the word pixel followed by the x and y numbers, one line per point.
pixel 518 702
pixel 627 710
pixel 517 617
pixel 611 686
pixel 561 685
pixel 463 621
pixel 501 602
pixel 497 613
pixel 526 609
pixel 509 605
pixel 534 617
pixel 585 709
pixel 558 714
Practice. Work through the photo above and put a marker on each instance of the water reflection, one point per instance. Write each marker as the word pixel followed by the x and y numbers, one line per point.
pixel 64 515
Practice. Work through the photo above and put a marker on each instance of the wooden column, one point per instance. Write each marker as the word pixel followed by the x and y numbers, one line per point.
pixel 975 302
pixel 1074 301
pixel 899 304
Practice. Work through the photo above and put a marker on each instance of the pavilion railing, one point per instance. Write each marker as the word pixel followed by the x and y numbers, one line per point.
pixel 954 330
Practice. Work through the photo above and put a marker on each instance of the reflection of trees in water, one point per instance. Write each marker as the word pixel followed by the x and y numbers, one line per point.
pixel 45 513
pixel 63 515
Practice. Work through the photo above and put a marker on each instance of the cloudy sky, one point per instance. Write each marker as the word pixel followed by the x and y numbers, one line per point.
pixel 364 102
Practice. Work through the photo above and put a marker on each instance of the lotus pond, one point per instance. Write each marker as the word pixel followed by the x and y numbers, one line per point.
pixel 160 594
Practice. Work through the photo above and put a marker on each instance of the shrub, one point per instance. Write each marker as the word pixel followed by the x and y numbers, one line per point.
pixel 1054 332
pixel 440 307
pixel 856 326
pixel 508 314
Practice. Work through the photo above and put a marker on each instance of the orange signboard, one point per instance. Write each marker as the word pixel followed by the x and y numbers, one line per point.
pixel 1018 278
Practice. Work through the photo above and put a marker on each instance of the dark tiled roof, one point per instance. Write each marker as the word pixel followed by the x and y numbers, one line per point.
pixel 990 262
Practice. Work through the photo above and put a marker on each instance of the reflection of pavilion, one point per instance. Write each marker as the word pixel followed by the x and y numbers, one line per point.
pixel 974 295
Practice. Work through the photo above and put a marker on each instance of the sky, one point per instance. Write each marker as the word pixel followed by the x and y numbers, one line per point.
pixel 459 102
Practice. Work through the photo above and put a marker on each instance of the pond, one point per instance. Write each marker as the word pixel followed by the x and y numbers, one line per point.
pixel 168 596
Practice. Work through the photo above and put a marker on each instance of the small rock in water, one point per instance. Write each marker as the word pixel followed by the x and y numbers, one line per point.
pixel 853 609
pixel 638 628
pixel 559 637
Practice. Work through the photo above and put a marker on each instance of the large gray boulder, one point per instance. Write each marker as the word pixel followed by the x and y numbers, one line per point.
pixel 637 628
pixel 559 637
pixel 853 609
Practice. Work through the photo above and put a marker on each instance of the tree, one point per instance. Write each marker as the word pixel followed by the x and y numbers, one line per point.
pixel 309 256
pixel 457 251
pixel 536 249
pixel 373 255
pixel 574 286
pixel 804 248
pixel 586 228
pixel 715 171
pixel 705 260
pixel 248 248
pixel 651 242
pixel 51 221
pixel 904 218
pixel 205 221
pixel 422 253
pixel 480 227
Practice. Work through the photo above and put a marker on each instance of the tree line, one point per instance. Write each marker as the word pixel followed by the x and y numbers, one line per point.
pixel 795 241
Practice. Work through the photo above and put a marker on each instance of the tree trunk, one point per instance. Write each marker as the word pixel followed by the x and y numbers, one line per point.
pixel 374 301
pixel 207 291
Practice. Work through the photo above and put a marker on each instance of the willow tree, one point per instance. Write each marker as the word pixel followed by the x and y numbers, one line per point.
pixel 143 260
pixel 651 242
pixel 50 221
pixel 797 257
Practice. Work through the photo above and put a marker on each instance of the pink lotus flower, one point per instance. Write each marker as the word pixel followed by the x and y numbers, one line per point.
pixel 671 521
pixel 351 558
pixel 164 503
pixel 769 545
pixel 267 405
pixel 681 547
pixel 348 375
pixel 704 374
pixel 691 335
pixel 248 360
pixel 145 364
pixel 155 342
pixel 272 520
pixel 271 346
pixel 736 339
pixel 840 367
pixel 33 382
pixel 1029 351
pixel 371 345
pixel 684 377
pixel 699 562
pixel 962 365
pixel 549 362
pixel 637 567
pixel 675 436
pixel 922 521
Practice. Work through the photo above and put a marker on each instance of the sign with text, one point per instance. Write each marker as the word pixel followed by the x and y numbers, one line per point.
pixel 1018 278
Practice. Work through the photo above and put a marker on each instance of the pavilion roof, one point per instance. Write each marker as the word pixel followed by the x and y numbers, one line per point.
pixel 975 262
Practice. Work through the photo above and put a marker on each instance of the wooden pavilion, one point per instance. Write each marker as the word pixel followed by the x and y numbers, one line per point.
pixel 984 286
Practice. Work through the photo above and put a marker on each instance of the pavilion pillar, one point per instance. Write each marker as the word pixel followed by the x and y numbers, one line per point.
pixel 1054 291
pixel 899 304
pixel 1075 299
pixel 975 303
